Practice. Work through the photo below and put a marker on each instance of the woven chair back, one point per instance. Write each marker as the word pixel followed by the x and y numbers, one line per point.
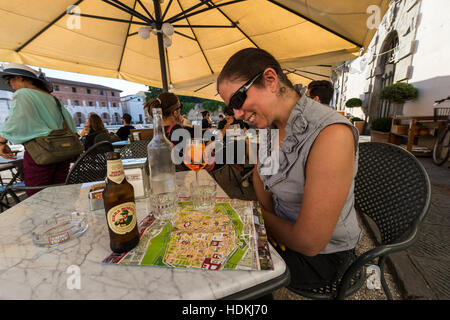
pixel 91 166
pixel 392 188
pixel 136 149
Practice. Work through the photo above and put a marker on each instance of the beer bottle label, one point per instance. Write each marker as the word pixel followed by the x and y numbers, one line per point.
pixel 122 218
pixel 115 171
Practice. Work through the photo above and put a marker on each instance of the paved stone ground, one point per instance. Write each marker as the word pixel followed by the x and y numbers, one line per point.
pixel 424 269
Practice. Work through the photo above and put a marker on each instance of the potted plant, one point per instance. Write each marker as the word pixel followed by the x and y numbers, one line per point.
pixel 353 102
pixel 380 130
pixel 358 123
pixel 398 93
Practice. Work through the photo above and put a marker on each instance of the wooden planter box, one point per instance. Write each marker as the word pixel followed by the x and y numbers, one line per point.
pixel 400 129
pixel 379 136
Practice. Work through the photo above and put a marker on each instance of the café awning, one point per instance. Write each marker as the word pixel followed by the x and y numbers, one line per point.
pixel 129 39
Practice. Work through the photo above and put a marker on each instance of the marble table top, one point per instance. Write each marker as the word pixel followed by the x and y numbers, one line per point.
pixel 73 270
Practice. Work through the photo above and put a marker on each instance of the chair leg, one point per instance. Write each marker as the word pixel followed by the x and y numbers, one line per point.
pixel 383 280
pixel 236 180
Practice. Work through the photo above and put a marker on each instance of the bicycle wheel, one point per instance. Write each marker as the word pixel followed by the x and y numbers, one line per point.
pixel 442 147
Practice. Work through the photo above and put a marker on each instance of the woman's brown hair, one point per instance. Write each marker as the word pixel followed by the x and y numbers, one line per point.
pixel 167 101
pixel 247 63
pixel 96 123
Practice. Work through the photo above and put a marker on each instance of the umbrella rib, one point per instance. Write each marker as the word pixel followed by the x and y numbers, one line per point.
pixel 202 2
pixel 316 23
pixel 198 42
pixel 203 87
pixel 175 18
pixel 109 19
pixel 313 73
pixel 201 26
pixel 301 75
pixel 119 5
pixel 185 35
pixel 126 39
pixel 245 35
pixel 145 9
pixel 165 11
pixel 47 26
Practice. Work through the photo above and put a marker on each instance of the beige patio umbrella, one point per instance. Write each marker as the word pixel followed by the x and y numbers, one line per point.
pixel 181 45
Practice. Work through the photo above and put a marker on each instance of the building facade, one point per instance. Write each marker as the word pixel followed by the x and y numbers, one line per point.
pixel 410 46
pixel 134 105
pixel 81 99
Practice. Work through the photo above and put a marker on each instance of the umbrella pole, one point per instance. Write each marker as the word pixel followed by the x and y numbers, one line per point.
pixel 162 59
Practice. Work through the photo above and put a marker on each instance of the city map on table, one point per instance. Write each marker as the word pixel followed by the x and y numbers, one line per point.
pixel 230 237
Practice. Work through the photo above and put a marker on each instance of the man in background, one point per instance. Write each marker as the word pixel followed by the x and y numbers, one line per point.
pixel 320 91
pixel 206 121
pixel 124 131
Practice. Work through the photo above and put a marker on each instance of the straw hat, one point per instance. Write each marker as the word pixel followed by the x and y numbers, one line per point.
pixel 17 69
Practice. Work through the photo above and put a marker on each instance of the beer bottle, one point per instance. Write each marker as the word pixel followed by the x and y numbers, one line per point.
pixel 120 208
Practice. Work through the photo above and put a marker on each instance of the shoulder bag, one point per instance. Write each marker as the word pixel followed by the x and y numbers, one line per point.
pixel 58 146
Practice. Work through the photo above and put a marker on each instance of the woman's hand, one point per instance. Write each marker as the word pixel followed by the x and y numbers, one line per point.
pixel 5 152
pixel 85 131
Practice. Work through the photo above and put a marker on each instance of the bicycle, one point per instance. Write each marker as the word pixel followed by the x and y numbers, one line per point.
pixel 441 148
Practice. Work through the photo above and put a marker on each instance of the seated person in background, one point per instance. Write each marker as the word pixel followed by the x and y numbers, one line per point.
pixel 222 121
pixel 320 91
pixel 93 127
pixel 171 112
pixel 230 122
pixel 124 131
pixel 206 121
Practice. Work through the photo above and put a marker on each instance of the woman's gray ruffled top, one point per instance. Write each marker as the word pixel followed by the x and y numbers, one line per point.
pixel 285 178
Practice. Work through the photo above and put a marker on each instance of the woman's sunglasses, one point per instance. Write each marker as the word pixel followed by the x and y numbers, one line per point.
pixel 238 98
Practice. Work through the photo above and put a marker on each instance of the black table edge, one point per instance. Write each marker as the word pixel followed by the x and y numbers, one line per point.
pixel 262 289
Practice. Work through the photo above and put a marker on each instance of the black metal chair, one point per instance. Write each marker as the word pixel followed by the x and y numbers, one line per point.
pixel 136 149
pixel 393 189
pixel 90 167
pixel 7 197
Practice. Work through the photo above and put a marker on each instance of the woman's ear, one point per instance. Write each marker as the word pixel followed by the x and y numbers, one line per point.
pixel 270 79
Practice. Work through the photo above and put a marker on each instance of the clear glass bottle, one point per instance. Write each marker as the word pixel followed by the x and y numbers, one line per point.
pixel 162 169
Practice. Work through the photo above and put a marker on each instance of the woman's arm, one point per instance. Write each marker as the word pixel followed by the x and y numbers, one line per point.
pixel 329 174
pixel 264 197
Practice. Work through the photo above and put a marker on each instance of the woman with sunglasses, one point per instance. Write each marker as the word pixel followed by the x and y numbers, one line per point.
pixel 34 113
pixel 307 200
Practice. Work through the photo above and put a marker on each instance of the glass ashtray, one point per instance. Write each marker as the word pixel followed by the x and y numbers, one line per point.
pixel 60 228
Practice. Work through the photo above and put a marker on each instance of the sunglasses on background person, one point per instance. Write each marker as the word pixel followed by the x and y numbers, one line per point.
pixel 238 98
pixel 8 80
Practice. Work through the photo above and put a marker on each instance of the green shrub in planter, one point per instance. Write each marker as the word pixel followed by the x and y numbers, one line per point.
pixel 353 119
pixel 353 102
pixel 399 92
pixel 382 124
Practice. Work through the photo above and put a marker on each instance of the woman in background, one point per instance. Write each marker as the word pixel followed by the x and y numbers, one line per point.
pixel 34 113
pixel 92 129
